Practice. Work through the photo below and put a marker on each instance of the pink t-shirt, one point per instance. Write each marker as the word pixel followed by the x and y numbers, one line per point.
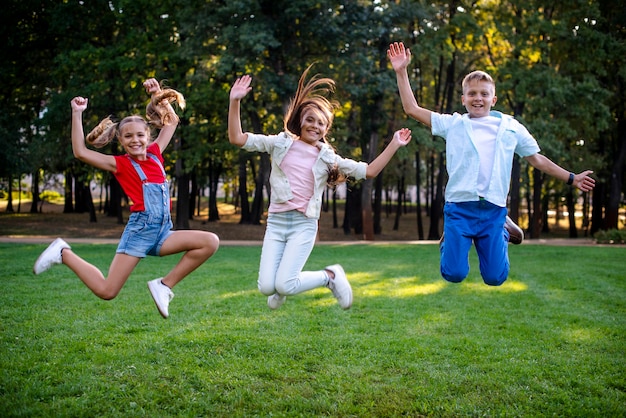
pixel 298 167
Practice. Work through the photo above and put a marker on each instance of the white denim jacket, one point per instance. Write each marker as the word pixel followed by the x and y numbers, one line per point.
pixel 278 145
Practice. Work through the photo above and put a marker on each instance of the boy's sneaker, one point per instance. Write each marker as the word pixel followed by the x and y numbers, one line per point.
pixel 275 301
pixel 516 234
pixel 161 295
pixel 340 286
pixel 50 256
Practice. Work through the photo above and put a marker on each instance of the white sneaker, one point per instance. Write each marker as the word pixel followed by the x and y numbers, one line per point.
pixel 50 256
pixel 275 301
pixel 340 286
pixel 161 295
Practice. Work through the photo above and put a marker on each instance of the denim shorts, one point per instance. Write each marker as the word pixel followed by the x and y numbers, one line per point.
pixel 144 234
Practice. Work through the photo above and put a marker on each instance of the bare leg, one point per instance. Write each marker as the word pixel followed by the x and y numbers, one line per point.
pixel 198 247
pixel 105 288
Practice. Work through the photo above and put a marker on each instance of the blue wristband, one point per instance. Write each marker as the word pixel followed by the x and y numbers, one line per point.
pixel 571 179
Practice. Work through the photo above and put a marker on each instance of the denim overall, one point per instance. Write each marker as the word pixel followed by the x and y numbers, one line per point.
pixel 146 231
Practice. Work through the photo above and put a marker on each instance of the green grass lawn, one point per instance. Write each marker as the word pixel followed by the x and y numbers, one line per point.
pixel 550 341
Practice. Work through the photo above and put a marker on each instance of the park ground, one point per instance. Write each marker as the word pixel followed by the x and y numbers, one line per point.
pixel 52 222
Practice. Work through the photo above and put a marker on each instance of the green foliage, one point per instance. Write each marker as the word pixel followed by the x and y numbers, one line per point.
pixel 611 236
pixel 549 342
pixel 560 68
pixel 49 195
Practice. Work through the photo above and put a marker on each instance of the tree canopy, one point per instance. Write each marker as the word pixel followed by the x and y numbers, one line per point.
pixel 559 68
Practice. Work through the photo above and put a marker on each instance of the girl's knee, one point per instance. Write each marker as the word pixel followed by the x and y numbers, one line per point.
pixel 212 242
pixel 265 287
pixel 106 293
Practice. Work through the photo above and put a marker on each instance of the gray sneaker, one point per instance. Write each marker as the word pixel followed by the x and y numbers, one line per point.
pixel 50 256
pixel 275 301
pixel 516 234
pixel 161 295
pixel 340 286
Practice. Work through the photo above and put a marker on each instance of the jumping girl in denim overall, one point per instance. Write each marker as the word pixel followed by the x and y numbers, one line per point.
pixel 142 177
pixel 302 165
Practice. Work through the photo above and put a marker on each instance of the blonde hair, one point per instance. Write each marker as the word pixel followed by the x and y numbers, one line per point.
pixel 158 113
pixel 478 76
pixel 311 95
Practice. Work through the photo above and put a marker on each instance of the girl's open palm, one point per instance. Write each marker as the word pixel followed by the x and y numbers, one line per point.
pixel 398 56
pixel 241 88
pixel 402 136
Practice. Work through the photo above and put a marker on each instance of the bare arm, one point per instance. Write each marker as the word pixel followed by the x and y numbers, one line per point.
pixel 400 58
pixel 581 180
pixel 400 139
pixel 240 89
pixel 81 152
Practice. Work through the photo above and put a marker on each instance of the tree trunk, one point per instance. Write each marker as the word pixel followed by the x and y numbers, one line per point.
pixel 571 210
pixel 615 184
pixel 597 220
pixel 182 201
pixel 35 191
pixel 242 190
pixel 535 227
pixel 378 203
pixel 9 208
pixel 437 203
pixel 215 169
pixel 68 206
pixel 418 203
pixel 260 182
pixel 514 202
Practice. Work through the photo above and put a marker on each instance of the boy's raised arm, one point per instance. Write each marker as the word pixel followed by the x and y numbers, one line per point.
pixel 399 56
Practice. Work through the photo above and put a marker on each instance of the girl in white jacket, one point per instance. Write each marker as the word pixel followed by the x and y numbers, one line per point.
pixel 303 163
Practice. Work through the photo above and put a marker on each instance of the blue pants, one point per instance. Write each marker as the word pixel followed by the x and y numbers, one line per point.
pixel 482 223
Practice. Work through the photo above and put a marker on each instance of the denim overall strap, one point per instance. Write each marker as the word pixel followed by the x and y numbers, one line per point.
pixel 139 171
pixel 156 197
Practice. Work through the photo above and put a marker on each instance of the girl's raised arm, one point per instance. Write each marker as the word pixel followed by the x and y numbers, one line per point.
pixel 166 133
pixel 240 89
pixel 84 154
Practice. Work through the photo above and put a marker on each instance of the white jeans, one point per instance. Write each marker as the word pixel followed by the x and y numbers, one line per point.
pixel 288 242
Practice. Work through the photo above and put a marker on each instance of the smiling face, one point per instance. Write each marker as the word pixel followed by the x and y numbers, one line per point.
pixel 134 135
pixel 478 98
pixel 313 125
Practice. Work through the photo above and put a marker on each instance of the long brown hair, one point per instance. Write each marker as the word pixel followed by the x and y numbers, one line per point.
pixel 312 94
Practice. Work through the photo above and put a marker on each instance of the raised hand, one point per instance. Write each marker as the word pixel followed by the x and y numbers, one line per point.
pixel 152 86
pixel 399 56
pixel 402 136
pixel 79 104
pixel 241 87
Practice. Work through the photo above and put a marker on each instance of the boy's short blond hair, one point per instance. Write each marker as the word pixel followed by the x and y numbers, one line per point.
pixel 478 76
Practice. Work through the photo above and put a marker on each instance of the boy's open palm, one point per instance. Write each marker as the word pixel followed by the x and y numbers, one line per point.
pixel 241 88
pixel 398 56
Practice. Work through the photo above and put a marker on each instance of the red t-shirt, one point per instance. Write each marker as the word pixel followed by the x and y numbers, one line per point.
pixel 129 178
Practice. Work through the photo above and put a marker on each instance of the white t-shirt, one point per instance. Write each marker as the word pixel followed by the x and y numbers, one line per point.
pixel 484 131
